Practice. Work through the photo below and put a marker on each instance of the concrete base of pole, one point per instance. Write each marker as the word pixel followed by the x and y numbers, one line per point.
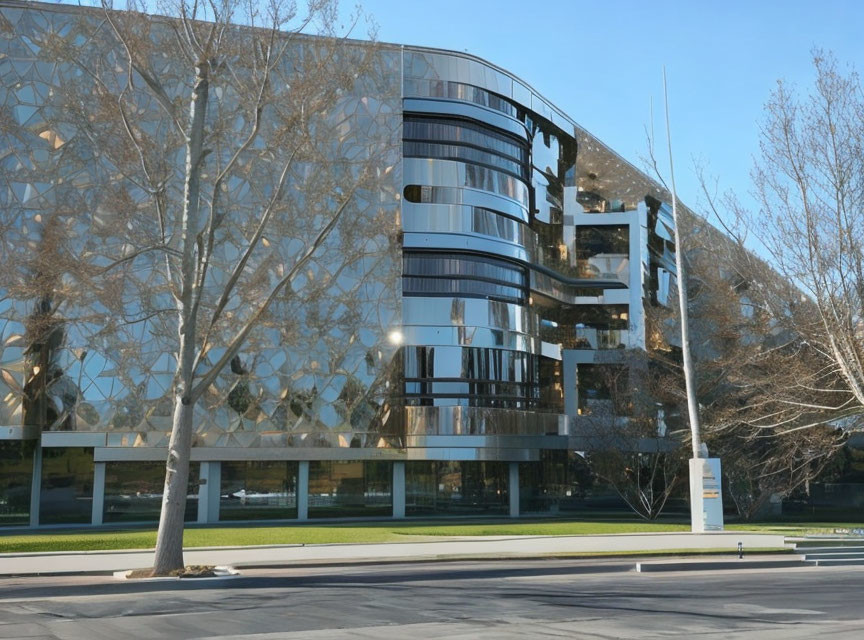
pixel 706 495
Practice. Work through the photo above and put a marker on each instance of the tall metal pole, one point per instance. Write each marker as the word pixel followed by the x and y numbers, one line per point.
pixel 689 383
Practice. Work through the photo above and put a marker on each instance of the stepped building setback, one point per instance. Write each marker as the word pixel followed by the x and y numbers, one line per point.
pixel 505 256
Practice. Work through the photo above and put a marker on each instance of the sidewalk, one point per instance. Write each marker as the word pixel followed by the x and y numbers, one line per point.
pixel 479 547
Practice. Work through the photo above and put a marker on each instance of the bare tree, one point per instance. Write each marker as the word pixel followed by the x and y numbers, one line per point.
pixel 223 133
pixel 632 448
pixel 809 185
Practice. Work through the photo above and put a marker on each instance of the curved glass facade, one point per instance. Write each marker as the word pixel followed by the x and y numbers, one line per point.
pixel 429 347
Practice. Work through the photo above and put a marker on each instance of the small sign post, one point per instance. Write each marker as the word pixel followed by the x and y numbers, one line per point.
pixel 706 495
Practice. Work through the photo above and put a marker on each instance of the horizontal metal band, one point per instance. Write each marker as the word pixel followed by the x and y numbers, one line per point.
pixel 470 243
pixel 465 220
pixel 20 433
pixel 474 454
pixel 457 312
pixel 487 442
pixel 452 421
pixel 73 438
pixel 451 173
pixel 470 337
pixel 475 198
pixel 459 108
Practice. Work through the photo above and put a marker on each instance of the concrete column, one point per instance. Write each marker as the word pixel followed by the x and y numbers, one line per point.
pixel 398 489
pixel 36 486
pixel 210 481
pixel 98 494
pixel 303 490
pixel 513 489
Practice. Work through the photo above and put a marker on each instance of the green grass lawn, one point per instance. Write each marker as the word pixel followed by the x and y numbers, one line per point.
pixel 88 540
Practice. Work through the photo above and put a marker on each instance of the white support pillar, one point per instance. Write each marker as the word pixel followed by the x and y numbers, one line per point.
pixel 513 489
pixel 36 486
pixel 98 507
pixel 210 481
pixel 398 489
pixel 303 490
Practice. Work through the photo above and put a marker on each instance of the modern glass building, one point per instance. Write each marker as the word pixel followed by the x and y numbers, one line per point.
pixel 507 255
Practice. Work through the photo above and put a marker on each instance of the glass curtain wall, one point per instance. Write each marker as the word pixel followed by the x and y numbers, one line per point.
pixel 353 488
pixel 67 486
pixel 258 490
pixel 456 488
pixel 16 470
pixel 133 491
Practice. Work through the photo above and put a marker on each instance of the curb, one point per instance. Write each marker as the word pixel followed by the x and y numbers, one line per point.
pixel 724 565
pixel 602 563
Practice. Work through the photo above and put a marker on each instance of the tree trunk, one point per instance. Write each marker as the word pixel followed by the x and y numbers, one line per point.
pixel 169 540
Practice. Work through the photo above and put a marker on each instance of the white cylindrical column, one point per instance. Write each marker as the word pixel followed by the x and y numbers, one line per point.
pixel 303 490
pixel 398 489
pixel 98 507
pixel 513 489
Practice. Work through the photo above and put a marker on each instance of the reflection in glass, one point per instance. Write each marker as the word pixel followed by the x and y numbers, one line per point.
pixel 560 481
pixel 456 488
pixel 16 469
pixel 339 489
pixel 133 491
pixel 258 490
pixel 67 485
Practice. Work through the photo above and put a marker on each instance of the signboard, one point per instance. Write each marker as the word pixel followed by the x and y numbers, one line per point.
pixel 706 495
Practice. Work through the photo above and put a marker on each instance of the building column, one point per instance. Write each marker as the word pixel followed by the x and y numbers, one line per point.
pixel 210 483
pixel 513 489
pixel 398 489
pixel 98 494
pixel 303 490
pixel 36 486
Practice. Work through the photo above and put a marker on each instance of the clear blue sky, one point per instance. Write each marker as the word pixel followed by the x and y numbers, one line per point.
pixel 601 62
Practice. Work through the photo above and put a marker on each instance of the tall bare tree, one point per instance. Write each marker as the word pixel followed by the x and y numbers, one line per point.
pixel 809 186
pixel 228 159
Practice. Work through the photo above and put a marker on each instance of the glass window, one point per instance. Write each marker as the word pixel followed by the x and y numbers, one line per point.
pixel 441 274
pixel 16 477
pixel 258 490
pixel 459 91
pixel 341 489
pixel 560 482
pixel 456 488
pixel 67 485
pixel 432 129
pixel 411 149
pixel 133 491
pixel 605 239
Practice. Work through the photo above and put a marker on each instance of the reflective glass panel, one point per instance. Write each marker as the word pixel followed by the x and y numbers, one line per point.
pixel 133 491
pixel 67 486
pixel 339 489
pixel 456 488
pixel 16 470
pixel 258 490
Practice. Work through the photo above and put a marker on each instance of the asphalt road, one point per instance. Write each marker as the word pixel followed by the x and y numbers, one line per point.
pixel 486 600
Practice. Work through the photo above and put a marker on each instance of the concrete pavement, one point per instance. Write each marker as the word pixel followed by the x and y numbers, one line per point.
pixel 476 547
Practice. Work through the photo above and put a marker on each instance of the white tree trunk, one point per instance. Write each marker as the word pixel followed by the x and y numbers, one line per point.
pixel 169 540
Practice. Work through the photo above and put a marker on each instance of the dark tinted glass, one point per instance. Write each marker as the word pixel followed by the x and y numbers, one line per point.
pixel 258 489
pixel 16 470
pixel 67 486
pixel 339 489
pixel 133 491
pixel 463 488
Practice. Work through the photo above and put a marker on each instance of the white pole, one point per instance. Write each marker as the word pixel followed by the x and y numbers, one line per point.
pixel 692 406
